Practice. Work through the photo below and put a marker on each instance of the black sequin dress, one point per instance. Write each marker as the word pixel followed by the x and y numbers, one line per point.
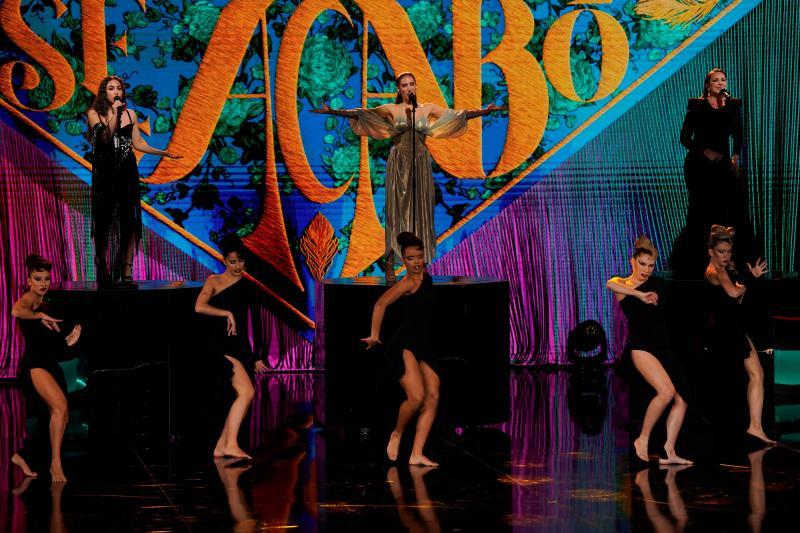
pixel 416 330
pixel 116 208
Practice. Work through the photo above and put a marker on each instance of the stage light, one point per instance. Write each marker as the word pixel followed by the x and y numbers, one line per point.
pixel 587 345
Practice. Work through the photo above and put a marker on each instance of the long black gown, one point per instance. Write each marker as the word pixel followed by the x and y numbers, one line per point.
pixel 648 331
pixel 416 330
pixel 44 348
pixel 116 208
pixel 716 194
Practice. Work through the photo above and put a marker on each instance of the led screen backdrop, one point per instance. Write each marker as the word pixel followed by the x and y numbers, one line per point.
pixel 229 85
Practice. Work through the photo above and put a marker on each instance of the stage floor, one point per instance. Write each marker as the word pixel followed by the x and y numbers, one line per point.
pixel 561 464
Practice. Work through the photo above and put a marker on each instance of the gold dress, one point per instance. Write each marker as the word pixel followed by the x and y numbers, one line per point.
pixel 399 207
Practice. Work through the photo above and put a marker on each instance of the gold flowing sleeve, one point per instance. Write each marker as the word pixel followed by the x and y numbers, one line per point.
pixel 370 123
pixel 450 124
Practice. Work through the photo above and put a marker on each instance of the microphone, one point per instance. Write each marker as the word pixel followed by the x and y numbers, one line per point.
pixel 412 98
pixel 725 93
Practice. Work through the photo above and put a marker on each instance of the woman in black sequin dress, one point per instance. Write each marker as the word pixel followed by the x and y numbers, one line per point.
pixel 226 299
pixel 641 297
pixel 116 211
pixel 41 376
pixel 726 331
pixel 409 355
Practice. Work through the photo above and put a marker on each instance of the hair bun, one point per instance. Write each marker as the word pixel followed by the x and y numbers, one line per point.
pixel 407 239
pixel 643 244
pixel 36 262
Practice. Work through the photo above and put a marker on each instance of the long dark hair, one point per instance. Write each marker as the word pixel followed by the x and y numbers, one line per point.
pixel 708 79
pixel 101 103
pixel 399 98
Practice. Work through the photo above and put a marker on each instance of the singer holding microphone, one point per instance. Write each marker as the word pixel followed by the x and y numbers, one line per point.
pixel 409 175
pixel 116 209
pixel 716 186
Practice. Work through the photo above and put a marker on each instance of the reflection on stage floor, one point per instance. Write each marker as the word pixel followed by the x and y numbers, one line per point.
pixel 561 463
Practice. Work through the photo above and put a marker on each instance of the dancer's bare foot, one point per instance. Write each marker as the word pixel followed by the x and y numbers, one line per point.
pixel 393 446
pixel 57 474
pixel 670 468
pixel 235 451
pixel 760 435
pixel 22 465
pixel 673 459
pixel 420 460
pixel 420 470
pixel 640 445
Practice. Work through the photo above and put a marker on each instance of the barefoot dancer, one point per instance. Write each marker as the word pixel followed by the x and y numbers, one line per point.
pixel 41 376
pixel 641 298
pixel 228 296
pixel 726 331
pixel 410 353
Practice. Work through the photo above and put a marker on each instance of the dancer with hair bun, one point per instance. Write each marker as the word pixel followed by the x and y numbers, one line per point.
pixel 41 376
pixel 225 298
pixel 641 296
pixel 409 355
pixel 726 330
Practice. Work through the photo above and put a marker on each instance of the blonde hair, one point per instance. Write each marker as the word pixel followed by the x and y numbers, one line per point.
pixel 720 234
pixel 644 245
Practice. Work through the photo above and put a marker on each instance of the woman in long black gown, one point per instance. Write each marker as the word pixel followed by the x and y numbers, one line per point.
pixel 641 297
pixel 726 330
pixel 116 208
pixel 228 296
pixel 409 356
pixel 716 185
pixel 41 376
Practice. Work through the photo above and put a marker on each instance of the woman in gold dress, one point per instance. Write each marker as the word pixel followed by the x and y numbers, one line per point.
pixel 408 207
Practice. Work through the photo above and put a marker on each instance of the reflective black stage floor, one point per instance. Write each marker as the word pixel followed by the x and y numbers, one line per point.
pixel 560 464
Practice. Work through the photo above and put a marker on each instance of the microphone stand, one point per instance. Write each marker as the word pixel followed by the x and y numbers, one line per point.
pixel 414 165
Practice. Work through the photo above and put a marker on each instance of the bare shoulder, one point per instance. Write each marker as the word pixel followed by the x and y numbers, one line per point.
pixel 26 300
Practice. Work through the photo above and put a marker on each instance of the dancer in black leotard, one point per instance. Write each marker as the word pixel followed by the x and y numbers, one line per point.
pixel 726 331
pixel 116 211
pixel 41 376
pixel 410 355
pixel 641 297
pixel 228 296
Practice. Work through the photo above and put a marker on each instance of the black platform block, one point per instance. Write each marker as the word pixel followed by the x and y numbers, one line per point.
pixel 472 343
pixel 139 353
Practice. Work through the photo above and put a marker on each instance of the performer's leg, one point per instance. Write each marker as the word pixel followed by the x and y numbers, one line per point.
pixel 244 395
pixel 655 375
pixel 426 416
pixel 414 388
pixel 51 392
pixel 674 422
pixel 755 394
